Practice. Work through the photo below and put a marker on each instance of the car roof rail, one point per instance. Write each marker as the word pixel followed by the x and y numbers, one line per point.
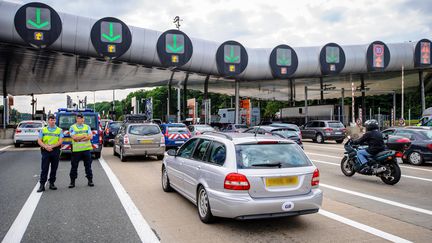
pixel 220 134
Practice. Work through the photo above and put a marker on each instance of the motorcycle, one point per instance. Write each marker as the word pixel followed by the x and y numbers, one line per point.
pixel 384 164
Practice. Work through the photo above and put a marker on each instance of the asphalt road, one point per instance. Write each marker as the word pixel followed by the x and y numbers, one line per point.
pixel 352 208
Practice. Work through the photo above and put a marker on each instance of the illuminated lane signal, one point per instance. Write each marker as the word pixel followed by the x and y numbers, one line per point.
pixel 111 32
pixel 174 48
pixel 231 59
pixel 38 18
pixel 332 55
pixel 232 54
pixel 425 55
pixel 378 56
pixel 283 57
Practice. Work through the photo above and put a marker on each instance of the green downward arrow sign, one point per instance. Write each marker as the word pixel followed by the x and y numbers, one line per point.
pixel 283 61
pixel 111 37
pixel 38 24
pixel 231 57
pixel 174 48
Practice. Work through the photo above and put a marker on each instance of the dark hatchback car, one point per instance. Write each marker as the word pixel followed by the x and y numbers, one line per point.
pixel 284 132
pixel 110 131
pixel 421 143
pixel 322 130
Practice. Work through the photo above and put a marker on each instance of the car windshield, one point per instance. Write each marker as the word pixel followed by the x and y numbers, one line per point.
pixel 204 128
pixel 177 129
pixel 256 156
pixel 30 125
pixel 144 130
pixel 115 125
pixel 66 121
pixel 286 132
pixel 335 125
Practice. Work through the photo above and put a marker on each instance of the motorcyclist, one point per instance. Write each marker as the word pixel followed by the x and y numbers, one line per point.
pixel 375 141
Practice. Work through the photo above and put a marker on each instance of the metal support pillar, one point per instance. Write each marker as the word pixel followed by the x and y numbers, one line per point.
pixel 342 106
pixel 5 101
pixel 291 81
pixel 322 91
pixel 185 111
pixel 178 105
pixel 363 98
pixel 422 92
pixel 306 104
pixel 237 101
pixel 207 104
pixel 169 96
pixel 394 109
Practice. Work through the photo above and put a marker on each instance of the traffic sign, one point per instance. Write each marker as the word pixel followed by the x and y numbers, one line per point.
pixel 422 53
pixel 283 61
pixel 332 59
pixel 174 48
pixel 110 37
pixel 377 56
pixel 231 59
pixel 38 24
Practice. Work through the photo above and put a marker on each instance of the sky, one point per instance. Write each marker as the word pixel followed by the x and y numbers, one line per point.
pixel 256 24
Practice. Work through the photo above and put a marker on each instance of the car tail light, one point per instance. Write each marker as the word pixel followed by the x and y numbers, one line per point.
pixel 400 154
pixel 329 129
pixel 162 140
pixel 126 139
pixel 403 140
pixel 429 146
pixel 315 178
pixel 235 181
pixel 107 131
pixel 343 129
pixel 267 142
pixel 101 137
pixel 18 131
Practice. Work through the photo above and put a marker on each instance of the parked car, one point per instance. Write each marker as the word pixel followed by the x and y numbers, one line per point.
pixel 139 139
pixel 104 122
pixel 284 132
pixel 110 131
pixel 27 132
pixel 175 134
pixel 322 130
pixel 235 128
pixel 421 143
pixel 240 176
pixel 199 129
pixel 293 126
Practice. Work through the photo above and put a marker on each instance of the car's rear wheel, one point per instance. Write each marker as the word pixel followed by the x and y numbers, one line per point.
pixel 415 158
pixel 166 186
pixel 17 145
pixel 319 138
pixel 160 157
pixel 122 155
pixel 203 204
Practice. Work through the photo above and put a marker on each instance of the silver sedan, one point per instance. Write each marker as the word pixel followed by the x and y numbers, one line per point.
pixel 242 176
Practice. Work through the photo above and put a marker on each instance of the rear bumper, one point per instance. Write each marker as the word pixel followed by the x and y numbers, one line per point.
pixel 128 151
pixel 242 206
pixel 25 138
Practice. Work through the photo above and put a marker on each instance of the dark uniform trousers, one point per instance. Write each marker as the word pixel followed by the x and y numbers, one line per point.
pixel 76 158
pixel 48 158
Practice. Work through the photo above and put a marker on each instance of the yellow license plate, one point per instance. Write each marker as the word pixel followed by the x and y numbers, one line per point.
pixel 67 139
pixel 145 141
pixel 282 181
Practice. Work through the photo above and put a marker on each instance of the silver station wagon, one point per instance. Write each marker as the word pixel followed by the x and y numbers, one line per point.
pixel 243 176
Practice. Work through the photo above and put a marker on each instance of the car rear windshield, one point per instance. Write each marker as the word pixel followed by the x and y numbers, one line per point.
pixel 260 156
pixel 30 125
pixel 144 130
pixel 204 129
pixel 286 132
pixel 115 125
pixel 66 121
pixel 335 125
pixel 177 129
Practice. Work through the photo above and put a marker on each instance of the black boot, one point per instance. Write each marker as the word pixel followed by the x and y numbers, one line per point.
pixel 41 187
pixel 90 182
pixel 72 183
pixel 52 186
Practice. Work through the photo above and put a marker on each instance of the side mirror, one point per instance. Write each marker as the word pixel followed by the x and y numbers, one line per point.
pixel 172 152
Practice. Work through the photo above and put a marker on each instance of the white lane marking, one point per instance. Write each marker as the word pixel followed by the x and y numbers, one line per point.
pixel 378 199
pixel 19 226
pixel 141 226
pixel 362 227
pixel 406 176
pixel 4 148
pixel 340 157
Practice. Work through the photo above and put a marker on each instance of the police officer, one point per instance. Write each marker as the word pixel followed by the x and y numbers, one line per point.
pixel 50 139
pixel 81 150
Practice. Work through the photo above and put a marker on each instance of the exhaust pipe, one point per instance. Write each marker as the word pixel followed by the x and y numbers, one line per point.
pixel 380 170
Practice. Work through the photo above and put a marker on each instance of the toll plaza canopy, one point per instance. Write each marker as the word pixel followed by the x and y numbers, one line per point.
pixel 45 51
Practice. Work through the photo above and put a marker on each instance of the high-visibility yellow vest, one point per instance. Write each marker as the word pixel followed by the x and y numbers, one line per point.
pixel 81 146
pixel 49 137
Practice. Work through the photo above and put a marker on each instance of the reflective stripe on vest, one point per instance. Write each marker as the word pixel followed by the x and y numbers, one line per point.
pixel 49 137
pixel 81 146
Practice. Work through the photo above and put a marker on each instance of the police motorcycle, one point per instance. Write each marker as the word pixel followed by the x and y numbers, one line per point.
pixel 384 164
